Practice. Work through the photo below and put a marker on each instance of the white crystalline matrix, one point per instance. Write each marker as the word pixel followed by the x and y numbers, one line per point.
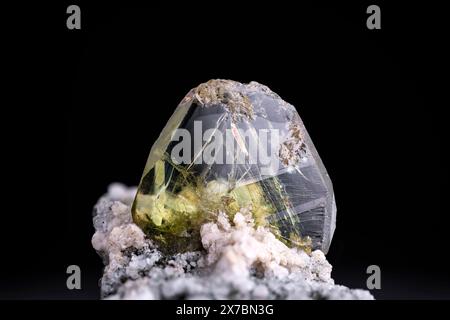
pixel 239 261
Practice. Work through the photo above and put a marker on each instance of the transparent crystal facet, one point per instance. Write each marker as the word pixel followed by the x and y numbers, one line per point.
pixel 292 194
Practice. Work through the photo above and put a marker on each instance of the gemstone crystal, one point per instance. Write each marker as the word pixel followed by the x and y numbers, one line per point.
pixel 230 147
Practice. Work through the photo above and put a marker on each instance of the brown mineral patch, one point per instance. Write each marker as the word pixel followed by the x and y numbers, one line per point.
pixel 293 148
pixel 227 93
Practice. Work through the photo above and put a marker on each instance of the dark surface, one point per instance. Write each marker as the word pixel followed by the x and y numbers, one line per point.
pixel 116 82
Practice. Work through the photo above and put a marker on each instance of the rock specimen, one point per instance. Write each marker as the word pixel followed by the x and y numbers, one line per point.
pixel 230 147
pixel 238 261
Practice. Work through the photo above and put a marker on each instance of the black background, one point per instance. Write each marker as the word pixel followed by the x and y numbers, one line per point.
pixel 116 82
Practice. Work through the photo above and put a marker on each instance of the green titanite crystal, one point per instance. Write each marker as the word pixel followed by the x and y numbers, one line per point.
pixel 230 146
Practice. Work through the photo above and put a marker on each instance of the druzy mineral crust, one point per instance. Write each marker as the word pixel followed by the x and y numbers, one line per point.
pixel 230 147
pixel 238 260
